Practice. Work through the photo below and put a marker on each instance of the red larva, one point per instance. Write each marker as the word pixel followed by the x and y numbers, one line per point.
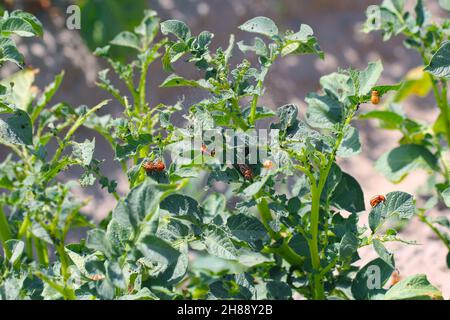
pixel 246 171
pixel 376 200
pixel 151 166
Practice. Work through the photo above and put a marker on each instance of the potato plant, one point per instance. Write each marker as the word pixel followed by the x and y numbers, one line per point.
pixel 287 226
pixel 423 145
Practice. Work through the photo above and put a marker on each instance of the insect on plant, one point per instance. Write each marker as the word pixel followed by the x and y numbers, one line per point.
pixel 287 224
pixel 423 145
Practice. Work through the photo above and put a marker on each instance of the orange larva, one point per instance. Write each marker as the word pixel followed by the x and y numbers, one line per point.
pixel 376 200
pixel 148 166
pixel 268 165
pixel 97 277
pixel 375 97
pixel 246 171
pixel 160 166
pixel 395 278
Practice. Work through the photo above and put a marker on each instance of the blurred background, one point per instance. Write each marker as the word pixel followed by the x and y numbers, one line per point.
pixel 336 24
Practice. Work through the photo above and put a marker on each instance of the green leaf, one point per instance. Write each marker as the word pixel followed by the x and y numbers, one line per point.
pixel 176 81
pixel 388 119
pixel 96 240
pixel 323 111
pixel 258 47
pixel 115 275
pixel 21 95
pixel 21 25
pixel 348 195
pixel 127 39
pixel 218 243
pixel 261 25
pixel 177 28
pixel 16 128
pixel 149 27
pixel 350 145
pixel 440 63
pixel 39 232
pixel 84 151
pixel 383 253
pixel 132 146
pixel 396 203
pixel 287 115
pixel 369 77
pixel 255 187
pixel 15 247
pixel 140 204
pixel 399 162
pixel 246 228
pixel 446 196
pixel 370 279
pixel 167 265
pixel 349 245
pixel 9 52
pixel 415 287
pixel 182 206
pixel 278 290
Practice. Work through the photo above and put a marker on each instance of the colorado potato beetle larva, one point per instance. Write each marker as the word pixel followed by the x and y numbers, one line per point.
pixel 376 200
pixel 375 97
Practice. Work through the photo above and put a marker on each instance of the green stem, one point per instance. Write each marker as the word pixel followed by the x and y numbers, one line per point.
pixel 64 261
pixel 313 243
pixel 254 104
pixel 435 230
pixel 5 232
pixel 74 128
pixel 41 251
pixel 284 250
pixel 237 116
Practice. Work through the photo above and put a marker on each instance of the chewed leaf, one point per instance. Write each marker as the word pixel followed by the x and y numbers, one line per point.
pixel 127 39
pixel 177 28
pixel 414 287
pixel 84 151
pixel 261 25
pixel 16 128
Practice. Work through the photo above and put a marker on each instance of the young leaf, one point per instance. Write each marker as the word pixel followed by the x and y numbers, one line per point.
pixel 127 39
pixel 177 28
pixel 261 25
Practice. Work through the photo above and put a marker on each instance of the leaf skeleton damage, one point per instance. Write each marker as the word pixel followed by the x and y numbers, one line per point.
pixel 287 226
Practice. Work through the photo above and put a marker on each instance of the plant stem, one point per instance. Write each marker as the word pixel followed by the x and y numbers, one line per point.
pixel 313 243
pixel 284 250
pixel 5 232
pixel 41 251
pixel 74 128
pixel 435 230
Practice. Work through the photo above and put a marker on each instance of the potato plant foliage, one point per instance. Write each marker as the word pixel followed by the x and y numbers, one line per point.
pixel 423 145
pixel 288 224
